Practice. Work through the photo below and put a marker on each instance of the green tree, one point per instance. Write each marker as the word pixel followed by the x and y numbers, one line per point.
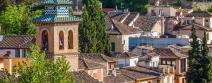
pixel 206 61
pixel 93 36
pixel 17 19
pixel 195 71
pixel 200 68
pixel 210 9
pixel 5 3
pixel 43 70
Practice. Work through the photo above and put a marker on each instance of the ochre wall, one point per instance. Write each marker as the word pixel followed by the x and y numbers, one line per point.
pixel 53 30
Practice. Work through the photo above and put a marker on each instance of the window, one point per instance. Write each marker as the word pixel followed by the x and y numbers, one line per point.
pixel 153 13
pixel 45 43
pixel 61 40
pixel 168 62
pixel 206 21
pixel 153 64
pixel 183 80
pixel 164 62
pixel 113 46
pixel 70 40
pixel 17 52
pixel 121 65
pixel 173 63
pixel 183 62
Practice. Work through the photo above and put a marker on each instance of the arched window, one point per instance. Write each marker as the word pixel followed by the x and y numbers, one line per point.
pixel 70 40
pixel 45 42
pixel 61 40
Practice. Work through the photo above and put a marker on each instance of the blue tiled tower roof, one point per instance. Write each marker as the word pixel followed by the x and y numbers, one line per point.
pixel 56 1
pixel 57 13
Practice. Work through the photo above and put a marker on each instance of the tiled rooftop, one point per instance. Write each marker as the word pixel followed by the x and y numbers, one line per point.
pixel 199 14
pixel 146 23
pixel 13 42
pixel 56 1
pixel 54 18
pixel 83 77
pixel 120 55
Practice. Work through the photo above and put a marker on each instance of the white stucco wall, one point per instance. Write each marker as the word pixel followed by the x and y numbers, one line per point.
pixel 127 62
pixel 133 61
pixel 12 52
pixel 168 79
pixel 167 11
pixel 125 40
pixel 154 61
pixel 209 37
pixel 144 82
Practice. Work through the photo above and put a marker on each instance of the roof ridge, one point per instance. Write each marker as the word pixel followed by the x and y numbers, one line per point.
pixel 83 59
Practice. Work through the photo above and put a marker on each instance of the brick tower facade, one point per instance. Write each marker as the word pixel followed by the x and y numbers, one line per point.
pixel 57 29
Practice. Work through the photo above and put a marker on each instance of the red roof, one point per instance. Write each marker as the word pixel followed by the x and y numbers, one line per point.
pixel 107 9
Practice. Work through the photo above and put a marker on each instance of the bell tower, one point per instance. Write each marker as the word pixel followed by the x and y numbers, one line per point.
pixel 57 29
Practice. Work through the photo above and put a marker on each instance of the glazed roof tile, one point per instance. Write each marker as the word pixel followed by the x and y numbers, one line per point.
pixel 56 1
pixel 54 18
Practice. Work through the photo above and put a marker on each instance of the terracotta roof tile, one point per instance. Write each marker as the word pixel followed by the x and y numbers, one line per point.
pixel 12 42
pixel 130 74
pixel 165 53
pixel 125 29
pixel 89 64
pixel 130 18
pixel 97 57
pixel 118 79
pixel 83 77
pixel 124 55
pixel 138 72
pixel 189 27
pixel 114 26
pixel 199 14
pixel 170 53
pixel 146 23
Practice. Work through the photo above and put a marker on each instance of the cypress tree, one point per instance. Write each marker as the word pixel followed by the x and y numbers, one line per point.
pixel 206 62
pixel 200 67
pixel 97 41
pixel 87 34
pixel 194 72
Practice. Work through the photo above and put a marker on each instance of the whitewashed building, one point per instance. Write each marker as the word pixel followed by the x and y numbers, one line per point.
pixel 15 46
pixel 125 59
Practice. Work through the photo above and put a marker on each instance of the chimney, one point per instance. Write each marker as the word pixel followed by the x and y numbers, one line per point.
pixel 112 27
pixel 203 21
pixel 210 21
pixel 1 37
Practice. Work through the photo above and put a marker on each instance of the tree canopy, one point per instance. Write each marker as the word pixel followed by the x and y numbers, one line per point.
pixel 93 36
pixel 210 9
pixel 41 70
pixel 132 5
pixel 200 67
pixel 17 20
